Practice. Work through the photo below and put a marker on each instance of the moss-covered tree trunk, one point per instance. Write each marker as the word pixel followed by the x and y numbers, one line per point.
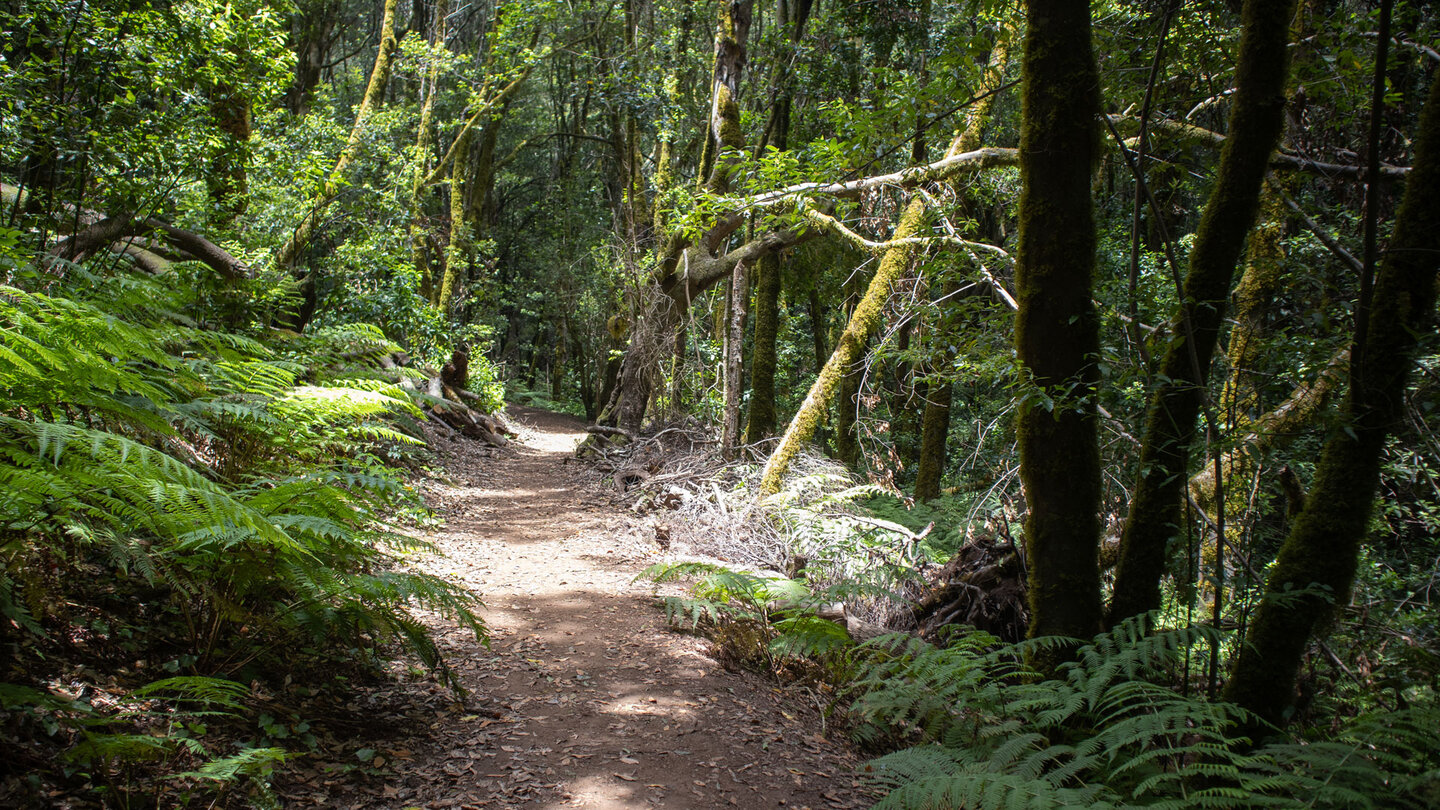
pixel 841 371
pixel 288 254
pixel 420 252
pixel 847 444
pixel 311 32
pixel 935 424
pixel 864 321
pixel 1261 431
pixel 1256 120
pixel 732 31
pixel 734 381
pixel 1056 329
pixel 761 418
pixel 934 427
pixel 639 369
pixel 460 252
pixel 1317 562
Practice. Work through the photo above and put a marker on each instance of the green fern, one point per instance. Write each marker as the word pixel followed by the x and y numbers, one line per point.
pixel 249 762
pixel 195 462
pixel 762 618
pixel 1106 731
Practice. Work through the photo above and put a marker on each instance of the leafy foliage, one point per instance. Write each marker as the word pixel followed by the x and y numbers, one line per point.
pixel 173 713
pixel 1108 730
pixel 761 618
pixel 201 498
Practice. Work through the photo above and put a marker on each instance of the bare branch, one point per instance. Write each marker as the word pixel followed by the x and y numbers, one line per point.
pixel 831 224
pixel 966 162
pixel 1205 137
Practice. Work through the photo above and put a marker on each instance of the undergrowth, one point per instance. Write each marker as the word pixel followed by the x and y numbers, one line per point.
pixel 177 499
pixel 1109 729
pixel 969 724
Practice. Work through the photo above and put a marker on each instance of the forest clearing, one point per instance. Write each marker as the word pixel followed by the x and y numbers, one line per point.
pixel 710 403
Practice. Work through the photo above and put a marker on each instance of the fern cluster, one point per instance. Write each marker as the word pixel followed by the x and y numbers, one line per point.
pixel 163 721
pixel 760 618
pixel 1108 730
pixel 219 496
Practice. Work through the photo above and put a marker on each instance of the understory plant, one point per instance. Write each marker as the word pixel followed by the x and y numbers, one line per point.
pixel 1114 727
pixel 1125 722
pixel 760 618
pixel 197 498
pixel 165 721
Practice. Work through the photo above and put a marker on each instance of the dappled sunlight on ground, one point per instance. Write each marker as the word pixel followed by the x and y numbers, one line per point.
pixel 586 697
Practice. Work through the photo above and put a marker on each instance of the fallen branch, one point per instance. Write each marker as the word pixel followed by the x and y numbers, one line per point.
pixel 1200 136
pixel 606 430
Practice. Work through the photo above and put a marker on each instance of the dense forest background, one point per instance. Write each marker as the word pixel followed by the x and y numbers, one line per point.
pixel 1051 319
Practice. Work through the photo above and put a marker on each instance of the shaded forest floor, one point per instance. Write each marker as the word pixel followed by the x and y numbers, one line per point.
pixel 584 698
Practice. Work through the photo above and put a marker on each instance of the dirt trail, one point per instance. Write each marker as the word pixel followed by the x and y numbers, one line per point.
pixel 585 698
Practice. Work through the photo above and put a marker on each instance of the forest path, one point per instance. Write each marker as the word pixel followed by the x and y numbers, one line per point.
pixel 585 698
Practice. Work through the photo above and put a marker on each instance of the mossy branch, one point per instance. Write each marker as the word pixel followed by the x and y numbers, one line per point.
pixel 1180 132
pixel 289 252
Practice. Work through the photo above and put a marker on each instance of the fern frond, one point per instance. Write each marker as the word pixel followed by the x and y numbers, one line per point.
pixel 251 762
pixel 214 692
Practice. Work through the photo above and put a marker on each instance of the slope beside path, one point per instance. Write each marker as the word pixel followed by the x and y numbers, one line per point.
pixel 584 698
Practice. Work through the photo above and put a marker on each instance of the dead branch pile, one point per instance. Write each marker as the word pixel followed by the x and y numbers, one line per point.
pixel 701 507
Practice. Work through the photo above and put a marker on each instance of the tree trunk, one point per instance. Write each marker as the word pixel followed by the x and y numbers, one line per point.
pixel 460 253
pixel 864 321
pixel 734 362
pixel 424 145
pixel 1256 120
pixel 1316 565
pixel 934 428
pixel 935 425
pixel 1056 328
pixel 732 31
pixel 1272 430
pixel 847 444
pixel 638 371
pixel 848 351
pixel 288 254
pixel 761 423
pixel 309 36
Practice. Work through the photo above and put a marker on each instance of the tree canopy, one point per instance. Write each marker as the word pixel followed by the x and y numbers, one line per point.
pixel 1138 297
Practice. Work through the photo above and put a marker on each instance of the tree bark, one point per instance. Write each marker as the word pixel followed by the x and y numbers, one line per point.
pixel 460 253
pixel 1272 430
pixel 734 363
pixel 108 230
pixel 732 31
pixel 1256 120
pixel 288 254
pixel 848 350
pixel 424 145
pixel 761 421
pixel 935 424
pixel 309 36
pixel 1317 562
pixel 934 428
pixel 864 321
pixel 1056 328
